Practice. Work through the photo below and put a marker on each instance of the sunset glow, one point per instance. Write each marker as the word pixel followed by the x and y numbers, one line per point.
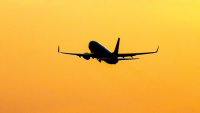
pixel 34 78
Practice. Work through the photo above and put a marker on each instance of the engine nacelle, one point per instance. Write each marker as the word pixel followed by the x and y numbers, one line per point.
pixel 86 56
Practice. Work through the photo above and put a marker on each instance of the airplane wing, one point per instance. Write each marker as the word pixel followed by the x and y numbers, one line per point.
pixel 77 54
pixel 134 54
pixel 128 58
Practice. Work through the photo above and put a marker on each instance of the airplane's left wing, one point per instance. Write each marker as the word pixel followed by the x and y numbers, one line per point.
pixel 77 54
pixel 134 54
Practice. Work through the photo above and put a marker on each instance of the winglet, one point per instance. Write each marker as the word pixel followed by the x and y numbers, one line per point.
pixel 157 50
pixel 58 49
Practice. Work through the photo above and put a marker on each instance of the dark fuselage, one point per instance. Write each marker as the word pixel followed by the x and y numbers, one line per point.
pixel 101 52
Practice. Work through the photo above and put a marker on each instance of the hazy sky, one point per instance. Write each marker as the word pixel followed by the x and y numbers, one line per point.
pixel 34 78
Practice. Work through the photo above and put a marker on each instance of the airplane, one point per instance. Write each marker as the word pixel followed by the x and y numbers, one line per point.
pixel 101 53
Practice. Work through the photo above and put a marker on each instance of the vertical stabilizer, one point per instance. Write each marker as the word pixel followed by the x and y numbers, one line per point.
pixel 117 46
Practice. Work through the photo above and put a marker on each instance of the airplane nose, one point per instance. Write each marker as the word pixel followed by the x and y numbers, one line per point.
pixel 91 43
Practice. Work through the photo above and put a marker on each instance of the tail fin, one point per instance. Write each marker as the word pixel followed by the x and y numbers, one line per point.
pixel 117 47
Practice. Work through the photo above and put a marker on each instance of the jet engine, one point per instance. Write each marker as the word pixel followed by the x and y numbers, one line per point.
pixel 86 56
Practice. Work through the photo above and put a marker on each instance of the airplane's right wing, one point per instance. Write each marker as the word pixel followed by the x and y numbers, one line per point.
pixel 134 54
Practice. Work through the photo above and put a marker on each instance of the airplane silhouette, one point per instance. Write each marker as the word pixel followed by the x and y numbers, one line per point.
pixel 102 54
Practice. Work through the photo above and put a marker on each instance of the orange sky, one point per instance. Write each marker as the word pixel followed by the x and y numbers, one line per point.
pixel 34 78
